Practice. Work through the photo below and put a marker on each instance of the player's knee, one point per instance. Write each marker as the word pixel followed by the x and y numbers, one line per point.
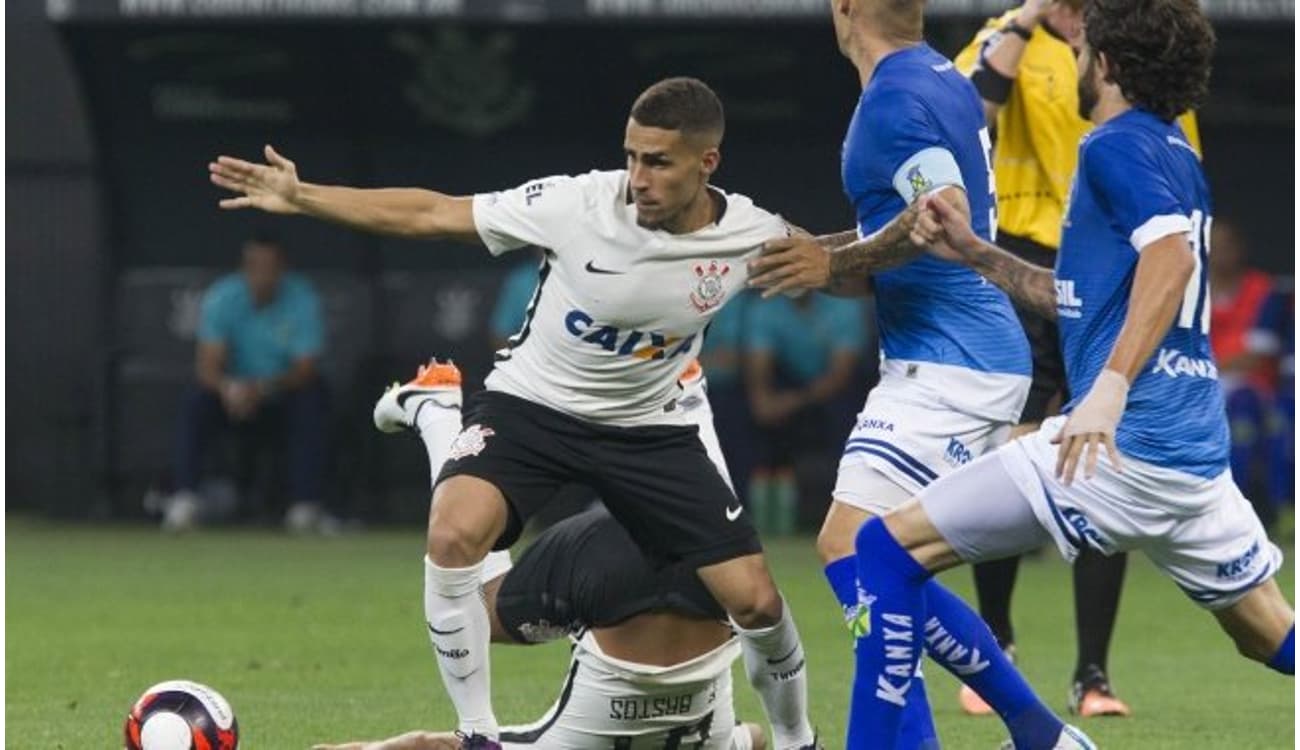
pixel 833 543
pixel 758 607
pixel 455 545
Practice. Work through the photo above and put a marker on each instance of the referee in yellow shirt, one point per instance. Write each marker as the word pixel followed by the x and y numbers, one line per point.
pixel 1023 65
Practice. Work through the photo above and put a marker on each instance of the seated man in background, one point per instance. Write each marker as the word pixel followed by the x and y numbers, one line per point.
pixel 260 336
pixel 652 651
pixel 800 355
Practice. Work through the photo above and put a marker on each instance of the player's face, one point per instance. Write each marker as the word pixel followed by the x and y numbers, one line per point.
pixel 667 173
pixel 1089 83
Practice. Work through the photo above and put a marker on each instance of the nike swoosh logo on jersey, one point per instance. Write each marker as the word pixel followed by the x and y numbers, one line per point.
pixel 591 268
pixel 783 658
pixel 402 398
pixel 436 631
pixel 734 513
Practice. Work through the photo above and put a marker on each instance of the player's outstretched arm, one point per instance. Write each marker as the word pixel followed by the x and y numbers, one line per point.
pixel 838 264
pixel 890 247
pixel 837 239
pixel 948 234
pixel 274 187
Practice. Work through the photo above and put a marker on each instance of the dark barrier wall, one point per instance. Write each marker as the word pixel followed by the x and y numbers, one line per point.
pixel 53 270
pixel 453 106
pixel 469 108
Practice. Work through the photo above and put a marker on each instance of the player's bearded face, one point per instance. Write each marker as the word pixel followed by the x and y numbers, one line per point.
pixel 1089 95
pixel 667 174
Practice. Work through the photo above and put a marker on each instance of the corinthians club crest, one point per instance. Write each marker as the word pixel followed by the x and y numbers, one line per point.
pixel 709 287
pixel 470 442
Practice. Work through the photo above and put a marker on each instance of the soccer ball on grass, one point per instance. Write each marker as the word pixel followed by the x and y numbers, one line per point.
pixel 181 715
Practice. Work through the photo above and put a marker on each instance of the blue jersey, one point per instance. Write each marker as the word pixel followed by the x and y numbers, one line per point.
pixel 919 125
pixel 1138 181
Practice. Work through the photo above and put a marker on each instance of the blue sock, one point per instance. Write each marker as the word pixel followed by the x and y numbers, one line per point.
pixel 886 654
pixel 916 731
pixel 962 643
pixel 1284 660
pixel 843 578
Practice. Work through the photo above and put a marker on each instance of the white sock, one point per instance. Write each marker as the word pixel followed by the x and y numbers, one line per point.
pixel 774 661
pixel 438 428
pixel 459 630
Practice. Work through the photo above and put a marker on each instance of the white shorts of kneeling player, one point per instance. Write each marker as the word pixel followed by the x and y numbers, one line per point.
pixel 920 422
pixel 610 703
pixel 1201 532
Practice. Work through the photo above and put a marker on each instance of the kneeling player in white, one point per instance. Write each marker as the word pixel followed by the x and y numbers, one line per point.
pixel 659 677
pixel 652 652
pixel 1131 299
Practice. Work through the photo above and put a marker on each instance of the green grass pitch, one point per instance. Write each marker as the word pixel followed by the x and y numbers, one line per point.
pixel 323 639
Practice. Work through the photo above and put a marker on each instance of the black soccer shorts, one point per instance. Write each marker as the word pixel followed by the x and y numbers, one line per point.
pixel 657 481
pixel 587 572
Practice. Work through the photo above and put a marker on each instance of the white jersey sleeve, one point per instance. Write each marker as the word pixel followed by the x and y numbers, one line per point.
pixel 540 212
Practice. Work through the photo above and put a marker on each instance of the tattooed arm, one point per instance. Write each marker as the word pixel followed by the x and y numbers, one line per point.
pixel 947 231
pixel 1032 287
pixel 793 264
pixel 838 239
pixel 892 246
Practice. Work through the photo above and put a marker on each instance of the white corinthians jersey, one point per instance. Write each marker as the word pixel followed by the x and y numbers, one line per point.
pixel 619 310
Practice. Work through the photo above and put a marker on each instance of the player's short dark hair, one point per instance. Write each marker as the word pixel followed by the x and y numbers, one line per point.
pixel 1159 51
pixel 685 104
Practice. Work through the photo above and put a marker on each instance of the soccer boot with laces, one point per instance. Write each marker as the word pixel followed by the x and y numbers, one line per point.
pixel 1091 695
pixel 435 385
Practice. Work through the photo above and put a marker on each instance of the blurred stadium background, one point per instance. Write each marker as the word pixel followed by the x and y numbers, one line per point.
pixel 114 108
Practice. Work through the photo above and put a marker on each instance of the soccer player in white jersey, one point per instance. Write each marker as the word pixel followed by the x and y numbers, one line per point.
pixel 652 653
pixel 955 366
pixel 1147 422
pixel 637 261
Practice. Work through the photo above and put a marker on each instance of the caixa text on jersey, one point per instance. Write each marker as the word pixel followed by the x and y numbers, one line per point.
pixel 629 343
